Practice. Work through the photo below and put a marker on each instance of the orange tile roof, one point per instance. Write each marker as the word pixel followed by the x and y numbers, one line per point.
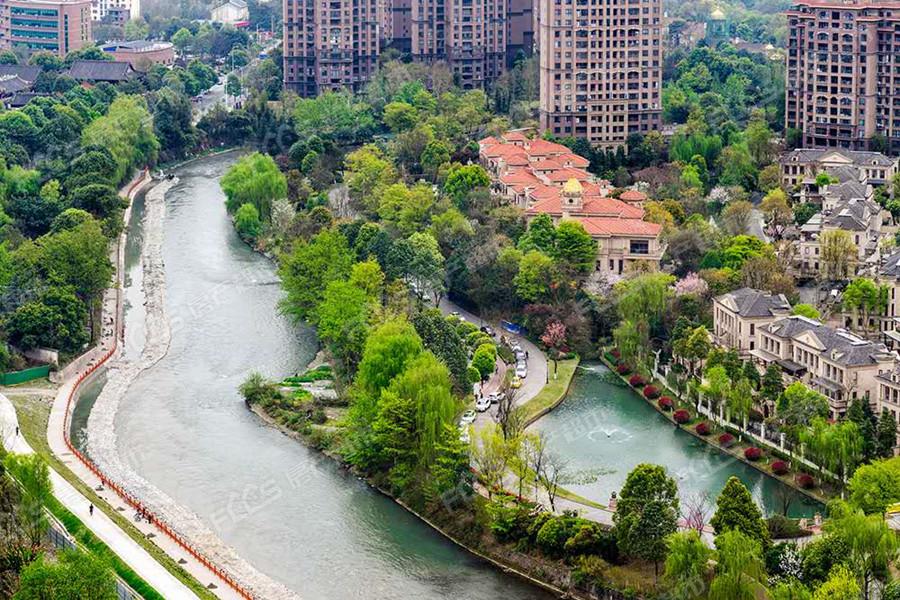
pixel 541 147
pixel 517 160
pixel 632 196
pixel 567 173
pixel 575 160
pixel 551 204
pixel 546 164
pixel 514 136
pixel 608 226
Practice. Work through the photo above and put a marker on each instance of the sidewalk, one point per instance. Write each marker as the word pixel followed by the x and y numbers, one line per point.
pixel 112 333
pixel 99 523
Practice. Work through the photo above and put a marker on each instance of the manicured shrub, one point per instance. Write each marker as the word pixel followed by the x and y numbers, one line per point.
pixel 681 416
pixel 781 528
pixel 702 428
pixel 552 537
pixel 752 453
pixel 806 481
pixel 779 467
pixel 726 440
pixel 636 381
pixel 666 403
pixel 623 369
pixel 651 392
pixel 616 354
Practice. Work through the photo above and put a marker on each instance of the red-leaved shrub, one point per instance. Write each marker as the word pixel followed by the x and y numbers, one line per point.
pixel 681 416
pixel 806 481
pixel 666 403
pixel 702 428
pixel 779 467
pixel 636 381
pixel 726 440
pixel 623 369
pixel 752 453
pixel 651 392
pixel 616 354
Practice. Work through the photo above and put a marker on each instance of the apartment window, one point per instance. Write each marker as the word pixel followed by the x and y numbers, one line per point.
pixel 640 247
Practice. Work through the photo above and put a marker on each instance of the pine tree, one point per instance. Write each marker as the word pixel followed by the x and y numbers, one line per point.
pixel 751 374
pixel 861 413
pixel 772 385
pixel 886 434
pixel 736 510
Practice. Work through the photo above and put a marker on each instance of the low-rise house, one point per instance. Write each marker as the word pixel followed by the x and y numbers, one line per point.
pixel 14 80
pixel 231 12
pixel 800 166
pixel 737 315
pixel 834 362
pixel 888 398
pixel 848 207
pixel 95 71
pixel 544 177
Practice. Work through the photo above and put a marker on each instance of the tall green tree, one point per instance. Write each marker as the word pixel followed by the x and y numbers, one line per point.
pixel 736 511
pixel 740 571
pixel 256 179
pixel 647 513
pixel 687 564
pixel 875 486
pixel 75 575
pixel 308 270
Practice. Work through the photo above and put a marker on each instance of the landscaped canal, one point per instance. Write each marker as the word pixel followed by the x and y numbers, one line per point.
pixel 293 514
pixel 604 429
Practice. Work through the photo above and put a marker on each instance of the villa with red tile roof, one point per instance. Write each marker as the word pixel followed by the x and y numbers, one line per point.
pixel 544 177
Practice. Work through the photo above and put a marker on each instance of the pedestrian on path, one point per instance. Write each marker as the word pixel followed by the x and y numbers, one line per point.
pixel 91 509
pixel 17 431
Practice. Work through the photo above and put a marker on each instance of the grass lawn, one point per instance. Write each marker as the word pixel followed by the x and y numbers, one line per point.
pixel 33 413
pixel 553 392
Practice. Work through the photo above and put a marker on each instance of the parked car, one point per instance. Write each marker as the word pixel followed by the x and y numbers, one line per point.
pixel 522 371
pixel 495 397
pixel 464 435
pixel 515 382
pixel 517 349
pixel 482 404
pixel 488 330
pixel 467 417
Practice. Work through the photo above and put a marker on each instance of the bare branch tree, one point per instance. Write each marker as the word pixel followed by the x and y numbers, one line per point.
pixel 508 415
pixel 696 509
pixel 552 471
pixel 536 453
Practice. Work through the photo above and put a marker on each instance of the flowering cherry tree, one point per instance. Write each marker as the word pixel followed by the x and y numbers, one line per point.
pixel 553 338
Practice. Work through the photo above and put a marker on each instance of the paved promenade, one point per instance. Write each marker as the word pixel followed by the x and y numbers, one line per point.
pixel 100 524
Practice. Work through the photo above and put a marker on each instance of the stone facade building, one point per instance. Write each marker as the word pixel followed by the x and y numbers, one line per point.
pixel 738 314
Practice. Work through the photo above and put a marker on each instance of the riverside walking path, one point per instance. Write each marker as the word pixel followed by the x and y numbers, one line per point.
pixel 99 523
pixel 69 378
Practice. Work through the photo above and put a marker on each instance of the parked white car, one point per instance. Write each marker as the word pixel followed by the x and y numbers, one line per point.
pixel 521 371
pixel 482 404
pixel 467 418
pixel 464 435
pixel 495 397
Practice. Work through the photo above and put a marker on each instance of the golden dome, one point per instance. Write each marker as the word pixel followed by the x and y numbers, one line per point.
pixel 572 187
pixel 717 14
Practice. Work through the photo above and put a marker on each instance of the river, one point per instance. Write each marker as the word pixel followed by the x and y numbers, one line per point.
pixel 290 512
pixel 605 429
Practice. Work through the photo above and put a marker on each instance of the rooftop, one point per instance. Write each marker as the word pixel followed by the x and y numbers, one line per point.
pixel 137 46
pixel 100 70
pixel 837 345
pixel 751 303
pixel 837 156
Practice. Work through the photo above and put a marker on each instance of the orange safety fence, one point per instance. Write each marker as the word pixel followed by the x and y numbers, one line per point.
pixel 134 502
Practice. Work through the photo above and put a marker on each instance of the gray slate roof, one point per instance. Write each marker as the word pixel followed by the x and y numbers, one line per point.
pixel 891 266
pixel 24 72
pixel 859 157
pixel 755 303
pixel 100 70
pixel 11 84
pixel 841 346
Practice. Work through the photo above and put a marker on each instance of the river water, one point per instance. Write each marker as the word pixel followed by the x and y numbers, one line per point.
pixel 605 429
pixel 293 514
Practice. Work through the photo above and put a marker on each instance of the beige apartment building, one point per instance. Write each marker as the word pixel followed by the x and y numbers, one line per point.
pixel 330 45
pixel 834 362
pixel 336 44
pixel 889 394
pixel 841 83
pixel 737 315
pixel 600 68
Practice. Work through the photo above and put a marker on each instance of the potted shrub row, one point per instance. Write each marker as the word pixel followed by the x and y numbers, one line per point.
pixel 753 453
pixel 726 440
pixel 623 369
pixel 702 428
pixel 651 392
pixel 666 403
pixel 681 416
pixel 636 381
pixel 779 467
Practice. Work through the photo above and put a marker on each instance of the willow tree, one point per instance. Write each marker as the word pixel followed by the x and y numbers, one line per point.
pixel 740 570
pixel 838 254
pixel 254 179
pixel 641 303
